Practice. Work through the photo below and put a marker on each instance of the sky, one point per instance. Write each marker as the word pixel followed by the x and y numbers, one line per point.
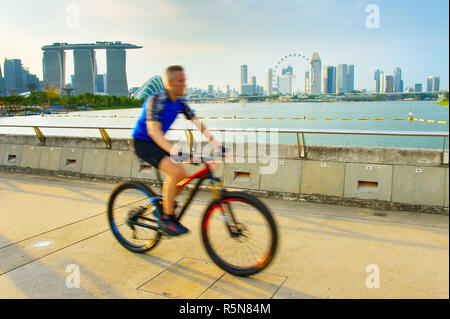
pixel 213 38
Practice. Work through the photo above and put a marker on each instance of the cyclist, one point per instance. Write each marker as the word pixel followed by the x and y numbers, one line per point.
pixel 158 114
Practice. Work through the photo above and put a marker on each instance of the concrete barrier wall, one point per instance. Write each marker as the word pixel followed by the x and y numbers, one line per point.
pixel 353 175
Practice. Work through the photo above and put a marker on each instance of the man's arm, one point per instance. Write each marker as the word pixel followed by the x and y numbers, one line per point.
pixel 204 130
pixel 154 129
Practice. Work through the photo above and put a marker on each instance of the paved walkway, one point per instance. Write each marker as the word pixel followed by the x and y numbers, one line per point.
pixel 52 229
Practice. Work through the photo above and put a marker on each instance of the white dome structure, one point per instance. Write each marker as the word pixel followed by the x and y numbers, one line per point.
pixel 150 87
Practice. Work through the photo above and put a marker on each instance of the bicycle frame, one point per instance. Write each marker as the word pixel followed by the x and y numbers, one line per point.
pixel 202 174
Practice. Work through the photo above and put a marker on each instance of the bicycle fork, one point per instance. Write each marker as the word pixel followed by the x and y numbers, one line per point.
pixel 226 211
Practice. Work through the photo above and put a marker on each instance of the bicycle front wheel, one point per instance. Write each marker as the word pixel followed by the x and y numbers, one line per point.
pixel 239 233
pixel 130 209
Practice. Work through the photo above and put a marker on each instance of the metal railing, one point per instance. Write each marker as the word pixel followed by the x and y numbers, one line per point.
pixel 300 133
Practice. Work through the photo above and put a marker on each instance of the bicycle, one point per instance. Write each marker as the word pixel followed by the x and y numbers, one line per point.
pixel 248 222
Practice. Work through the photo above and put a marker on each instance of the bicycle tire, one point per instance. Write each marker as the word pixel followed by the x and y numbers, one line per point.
pixel 269 252
pixel 114 224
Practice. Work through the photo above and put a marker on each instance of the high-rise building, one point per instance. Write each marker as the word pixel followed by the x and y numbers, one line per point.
pixel 54 66
pixel 85 72
pixel 315 69
pixel 388 84
pixel 329 79
pixel 286 84
pixel 84 58
pixel 244 75
pixel 436 84
pixel 270 81
pixel 2 83
pixel 430 84
pixel 345 79
pixel 260 90
pixel 433 83
pixel 398 82
pixel 100 83
pixel 351 78
pixel 25 77
pixel 307 82
pixel 418 87
pixel 247 89
pixel 253 83
pixel 288 70
pixel 211 89
pixel 116 76
pixel 13 76
pixel 377 81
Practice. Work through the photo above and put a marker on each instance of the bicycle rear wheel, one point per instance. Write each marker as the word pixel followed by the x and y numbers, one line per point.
pixel 239 233
pixel 130 206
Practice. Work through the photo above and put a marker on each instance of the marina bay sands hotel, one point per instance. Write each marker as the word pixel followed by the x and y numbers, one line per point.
pixel 85 66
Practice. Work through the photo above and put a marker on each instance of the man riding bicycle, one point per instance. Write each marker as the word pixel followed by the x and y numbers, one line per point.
pixel 158 114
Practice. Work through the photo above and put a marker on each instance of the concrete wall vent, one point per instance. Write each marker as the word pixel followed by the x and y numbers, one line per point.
pixel 11 158
pixel 367 187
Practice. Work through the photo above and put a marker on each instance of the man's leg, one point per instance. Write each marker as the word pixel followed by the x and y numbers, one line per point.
pixel 175 173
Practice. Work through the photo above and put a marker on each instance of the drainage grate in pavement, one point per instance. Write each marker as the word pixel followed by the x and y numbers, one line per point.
pixel 191 278
pixel 187 279
pixel 259 286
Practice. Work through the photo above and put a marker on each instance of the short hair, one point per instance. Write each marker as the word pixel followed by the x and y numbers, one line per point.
pixel 171 69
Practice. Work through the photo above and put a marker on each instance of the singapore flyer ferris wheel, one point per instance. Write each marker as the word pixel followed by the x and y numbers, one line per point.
pixel 283 78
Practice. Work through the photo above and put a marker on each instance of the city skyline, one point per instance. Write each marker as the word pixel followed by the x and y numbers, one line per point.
pixel 223 35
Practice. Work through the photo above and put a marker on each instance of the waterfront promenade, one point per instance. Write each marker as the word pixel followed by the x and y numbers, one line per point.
pixel 52 227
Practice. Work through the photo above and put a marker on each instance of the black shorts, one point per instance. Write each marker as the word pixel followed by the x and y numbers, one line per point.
pixel 149 152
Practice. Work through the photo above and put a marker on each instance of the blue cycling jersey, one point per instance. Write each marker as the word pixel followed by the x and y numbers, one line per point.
pixel 160 108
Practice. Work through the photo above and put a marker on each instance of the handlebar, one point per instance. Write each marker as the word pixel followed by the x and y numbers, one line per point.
pixel 193 159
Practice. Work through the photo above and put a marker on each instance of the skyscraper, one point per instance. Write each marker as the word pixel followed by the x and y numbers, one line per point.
pixel 351 78
pixel 253 83
pixel 398 82
pixel 377 81
pixel 436 83
pixel 315 69
pixel 288 70
pixel 433 84
pixel 2 83
pixel 345 78
pixel 100 83
pixel 244 75
pixel 389 84
pixel 25 77
pixel 382 82
pixel 418 87
pixel 307 82
pixel 85 68
pixel 85 72
pixel 211 89
pixel 116 76
pixel 54 66
pixel 13 76
pixel 286 84
pixel 430 84
pixel 329 79
pixel 270 81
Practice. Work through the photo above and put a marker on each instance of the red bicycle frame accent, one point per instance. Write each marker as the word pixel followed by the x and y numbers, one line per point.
pixel 199 174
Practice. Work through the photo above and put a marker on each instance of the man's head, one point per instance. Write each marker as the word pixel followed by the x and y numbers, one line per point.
pixel 175 80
